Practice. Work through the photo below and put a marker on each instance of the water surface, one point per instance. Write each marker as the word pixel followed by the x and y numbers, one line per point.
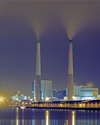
pixel 17 116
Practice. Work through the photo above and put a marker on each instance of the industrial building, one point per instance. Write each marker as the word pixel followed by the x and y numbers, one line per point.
pixel 84 93
pixel 59 94
pixel 77 92
pixel 41 89
pixel 80 93
pixel 89 93
pixel 19 97
pixel 46 90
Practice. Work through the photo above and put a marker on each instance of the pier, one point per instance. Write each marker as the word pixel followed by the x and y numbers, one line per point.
pixel 80 105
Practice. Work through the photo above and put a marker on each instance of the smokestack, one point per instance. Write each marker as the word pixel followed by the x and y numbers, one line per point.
pixel 70 71
pixel 38 74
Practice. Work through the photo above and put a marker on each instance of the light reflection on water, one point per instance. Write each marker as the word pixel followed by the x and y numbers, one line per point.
pixel 17 116
pixel 47 117
pixel 17 119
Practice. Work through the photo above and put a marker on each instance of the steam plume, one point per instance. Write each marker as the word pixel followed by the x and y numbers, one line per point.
pixel 73 15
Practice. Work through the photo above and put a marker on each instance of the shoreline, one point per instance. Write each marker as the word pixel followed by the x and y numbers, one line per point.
pixel 73 108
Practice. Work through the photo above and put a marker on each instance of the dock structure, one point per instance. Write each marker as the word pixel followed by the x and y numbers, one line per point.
pixel 81 105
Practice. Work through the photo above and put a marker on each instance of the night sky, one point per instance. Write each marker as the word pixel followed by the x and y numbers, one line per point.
pixel 22 23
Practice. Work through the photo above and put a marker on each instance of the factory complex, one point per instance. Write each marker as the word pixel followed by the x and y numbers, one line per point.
pixel 42 89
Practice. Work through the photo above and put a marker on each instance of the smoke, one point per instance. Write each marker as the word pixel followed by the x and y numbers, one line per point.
pixel 79 15
pixel 38 28
pixel 89 85
pixel 73 16
pixel 40 16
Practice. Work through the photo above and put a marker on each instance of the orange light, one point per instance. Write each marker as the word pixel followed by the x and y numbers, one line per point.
pixel 69 68
pixel 37 56
pixel 70 54
pixel 69 84
pixel 36 84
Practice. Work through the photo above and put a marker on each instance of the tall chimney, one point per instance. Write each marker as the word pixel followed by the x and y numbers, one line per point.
pixel 38 74
pixel 70 71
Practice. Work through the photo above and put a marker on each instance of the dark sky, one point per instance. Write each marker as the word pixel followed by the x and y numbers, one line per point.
pixel 22 23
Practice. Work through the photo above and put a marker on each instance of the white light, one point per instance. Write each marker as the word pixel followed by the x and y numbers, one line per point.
pixel 87 98
pixel 17 99
pixel 1 99
pixel 47 98
pixel 74 98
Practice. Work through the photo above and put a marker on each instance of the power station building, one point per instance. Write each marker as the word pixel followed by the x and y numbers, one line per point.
pixel 41 89
pixel 59 94
pixel 79 93
pixel 46 90
pixel 84 93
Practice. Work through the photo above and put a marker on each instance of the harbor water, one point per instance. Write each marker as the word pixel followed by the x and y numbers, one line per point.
pixel 27 116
